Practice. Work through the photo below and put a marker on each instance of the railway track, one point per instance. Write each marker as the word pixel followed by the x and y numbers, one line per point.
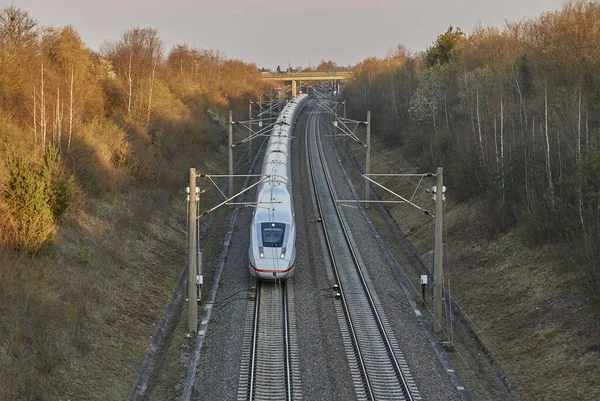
pixel 377 365
pixel 270 353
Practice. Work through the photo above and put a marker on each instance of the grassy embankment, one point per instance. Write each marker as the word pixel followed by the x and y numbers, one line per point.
pixel 80 301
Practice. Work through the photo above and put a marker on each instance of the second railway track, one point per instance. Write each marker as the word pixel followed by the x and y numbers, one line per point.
pixel 270 369
pixel 380 370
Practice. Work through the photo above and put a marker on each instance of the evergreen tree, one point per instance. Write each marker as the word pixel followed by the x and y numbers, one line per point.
pixel 441 51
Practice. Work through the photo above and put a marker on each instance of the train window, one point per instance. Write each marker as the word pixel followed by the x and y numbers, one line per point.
pixel 272 234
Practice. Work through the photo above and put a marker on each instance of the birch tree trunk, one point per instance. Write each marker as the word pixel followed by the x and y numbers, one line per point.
pixel 560 169
pixel 470 107
pixel 548 169
pixel 587 132
pixel 57 119
pixel 62 111
pixel 150 96
pixel 130 80
pixel 34 117
pixel 43 111
pixel 479 125
pixel 579 171
pixel 446 110
pixel 70 108
pixel 502 148
pixel 579 129
pixel 394 103
pixel 408 86
pixel 496 147
pixel 434 133
pixel 528 162
pixel 522 111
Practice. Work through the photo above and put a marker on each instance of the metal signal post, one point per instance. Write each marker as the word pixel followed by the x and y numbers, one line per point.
pixel 193 195
pixel 230 154
pixel 368 161
pixel 438 272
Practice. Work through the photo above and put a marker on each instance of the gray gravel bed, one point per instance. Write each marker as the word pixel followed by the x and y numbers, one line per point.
pixel 218 368
pixel 219 363
pixel 325 374
pixel 323 363
pixel 429 374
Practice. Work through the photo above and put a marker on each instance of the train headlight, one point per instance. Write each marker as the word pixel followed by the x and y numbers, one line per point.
pixel 261 252
pixel 282 253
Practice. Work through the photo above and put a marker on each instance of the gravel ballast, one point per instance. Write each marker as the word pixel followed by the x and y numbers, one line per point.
pixel 323 364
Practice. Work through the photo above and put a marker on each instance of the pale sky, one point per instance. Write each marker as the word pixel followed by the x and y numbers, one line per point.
pixel 269 32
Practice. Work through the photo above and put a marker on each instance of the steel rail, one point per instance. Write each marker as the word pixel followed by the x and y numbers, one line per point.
pixel 367 291
pixel 351 329
pixel 254 340
pixel 286 333
pixel 257 352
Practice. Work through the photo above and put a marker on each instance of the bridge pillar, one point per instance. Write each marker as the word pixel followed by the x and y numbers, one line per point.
pixel 293 89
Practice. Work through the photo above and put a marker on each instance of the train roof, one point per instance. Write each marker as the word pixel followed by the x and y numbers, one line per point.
pixel 274 201
pixel 274 204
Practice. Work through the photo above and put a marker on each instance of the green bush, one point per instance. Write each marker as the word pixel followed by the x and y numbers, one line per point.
pixel 36 197
pixel 60 187
pixel 29 223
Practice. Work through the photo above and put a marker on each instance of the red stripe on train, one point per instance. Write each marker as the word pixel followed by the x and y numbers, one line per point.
pixel 271 271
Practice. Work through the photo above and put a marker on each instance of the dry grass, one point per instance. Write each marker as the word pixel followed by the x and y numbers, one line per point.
pixel 98 154
pixel 533 308
pixel 131 264
pixel 33 317
pixel 76 319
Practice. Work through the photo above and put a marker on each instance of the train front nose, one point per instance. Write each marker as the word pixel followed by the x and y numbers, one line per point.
pixel 272 266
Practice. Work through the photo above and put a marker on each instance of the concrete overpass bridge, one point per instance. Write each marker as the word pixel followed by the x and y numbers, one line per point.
pixel 306 76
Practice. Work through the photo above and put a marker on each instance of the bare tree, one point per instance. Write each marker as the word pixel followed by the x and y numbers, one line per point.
pixel 156 53
pixel 135 57
pixel 72 67
pixel 17 29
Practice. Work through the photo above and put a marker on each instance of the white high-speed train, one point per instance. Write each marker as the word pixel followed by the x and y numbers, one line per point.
pixel 272 251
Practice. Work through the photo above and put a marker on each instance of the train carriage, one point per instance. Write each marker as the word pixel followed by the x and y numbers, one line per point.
pixel 272 251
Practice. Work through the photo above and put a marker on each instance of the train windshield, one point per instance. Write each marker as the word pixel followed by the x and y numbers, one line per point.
pixel 272 234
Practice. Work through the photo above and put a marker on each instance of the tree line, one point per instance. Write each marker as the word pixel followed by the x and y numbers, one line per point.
pixel 512 114
pixel 129 111
pixel 80 131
